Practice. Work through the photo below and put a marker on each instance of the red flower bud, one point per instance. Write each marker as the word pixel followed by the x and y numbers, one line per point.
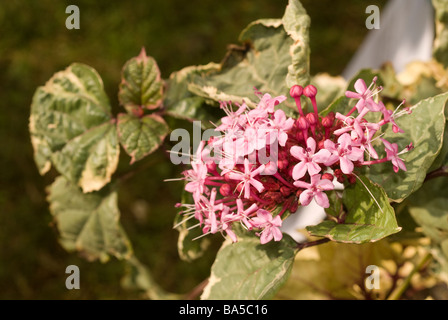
pixel 296 91
pixel 302 123
pixel 285 191
pixel 225 190
pixel 294 205
pixel 310 91
pixel 312 119
pixel 327 122
pixel 327 176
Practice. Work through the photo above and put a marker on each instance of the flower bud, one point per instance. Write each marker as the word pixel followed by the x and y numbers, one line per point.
pixel 351 179
pixel 294 206
pixel 225 190
pixel 312 119
pixel 299 135
pixel 282 164
pixel 296 91
pixel 285 191
pixel 327 122
pixel 310 91
pixel 321 144
pixel 327 176
pixel 302 123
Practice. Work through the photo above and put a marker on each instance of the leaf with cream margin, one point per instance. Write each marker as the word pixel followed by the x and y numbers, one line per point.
pixel 88 222
pixel 181 103
pixel 71 127
pixel 248 270
pixel 274 56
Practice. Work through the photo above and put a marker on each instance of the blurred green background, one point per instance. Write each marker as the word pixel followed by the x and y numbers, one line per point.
pixel 34 44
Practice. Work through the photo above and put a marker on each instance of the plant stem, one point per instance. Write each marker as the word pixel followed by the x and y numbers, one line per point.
pixel 193 294
pixel 441 172
pixel 399 291
pixel 304 245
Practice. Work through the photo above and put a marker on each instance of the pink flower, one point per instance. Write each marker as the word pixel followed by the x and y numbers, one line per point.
pixel 227 218
pixel 364 95
pixel 265 106
pixel 315 190
pixel 280 125
pixel 344 152
pixel 389 117
pixel 245 213
pixel 361 132
pixel 248 178
pixel 233 117
pixel 270 225
pixel 196 177
pixel 392 155
pixel 254 138
pixel 209 208
pixel 308 159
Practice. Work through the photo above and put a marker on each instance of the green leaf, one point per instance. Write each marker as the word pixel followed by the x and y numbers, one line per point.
pixel 180 103
pixel 297 23
pixel 369 216
pixel 71 127
pixel 442 158
pixel 141 136
pixel 424 128
pixel 139 277
pixel 141 84
pixel 88 223
pixel 440 46
pixel 91 158
pixel 248 270
pixel 429 208
pixel 339 271
pixel 275 55
pixel 336 207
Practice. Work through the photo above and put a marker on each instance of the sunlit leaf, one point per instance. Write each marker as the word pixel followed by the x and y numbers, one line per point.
pixel 248 270
pixel 339 271
pixel 424 128
pixel 369 216
pixel 440 48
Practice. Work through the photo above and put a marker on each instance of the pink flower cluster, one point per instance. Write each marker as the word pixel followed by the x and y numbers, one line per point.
pixel 264 163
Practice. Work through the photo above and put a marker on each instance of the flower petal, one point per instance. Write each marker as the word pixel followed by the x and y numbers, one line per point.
pixel 346 165
pixel 322 199
pixel 299 170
